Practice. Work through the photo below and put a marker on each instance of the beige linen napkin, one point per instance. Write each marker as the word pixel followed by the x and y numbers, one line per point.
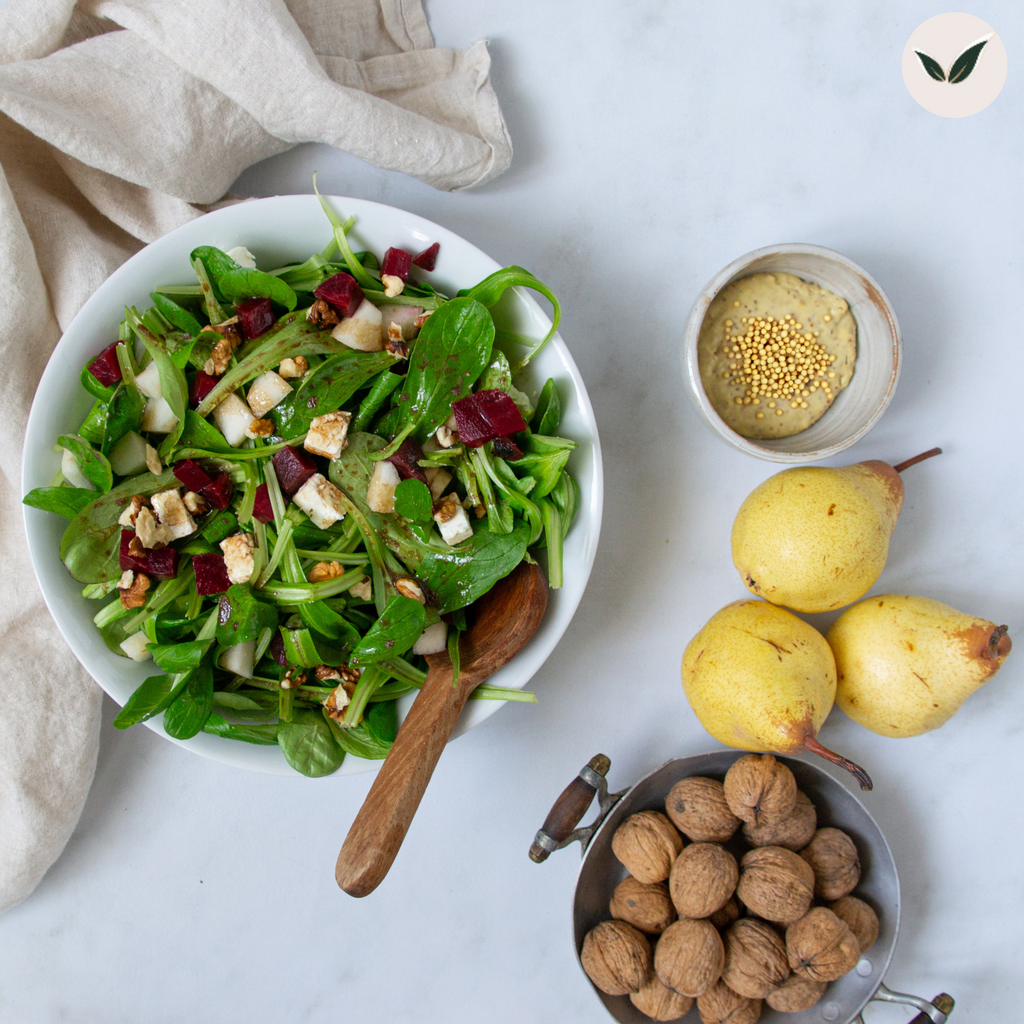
pixel 118 121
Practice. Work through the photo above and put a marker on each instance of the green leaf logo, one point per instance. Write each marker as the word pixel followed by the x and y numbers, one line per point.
pixel 960 69
pixel 932 66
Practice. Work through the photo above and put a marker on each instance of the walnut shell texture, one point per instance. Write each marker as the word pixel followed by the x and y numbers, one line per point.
pixel 647 843
pixel 689 957
pixel 660 1002
pixel 720 1005
pixel 724 916
pixel 617 958
pixel 820 946
pixel 776 884
pixel 836 864
pixel 796 994
pixel 760 789
pixel 755 958
pixel 703 878
pixel 698 808
pixel 794 832
pixel 647 907
pixel 860 919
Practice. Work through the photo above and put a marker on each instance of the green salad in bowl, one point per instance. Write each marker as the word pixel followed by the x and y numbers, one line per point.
pixel 293 478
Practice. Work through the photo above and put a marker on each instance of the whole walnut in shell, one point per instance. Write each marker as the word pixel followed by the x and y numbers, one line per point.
pixel 720 1005
pixel 660 1002
pixel 647 907
pixel 703 878
pixel 794 832
pixel 834 860
pixel 860 919
pixel 689 957
pixel 760 789
pixel 796 994
pixel 755 958
pixel 647 843
pixel 698 808
pixel 776 884
pixel 820 946
pixel 616 957
pixel 724 916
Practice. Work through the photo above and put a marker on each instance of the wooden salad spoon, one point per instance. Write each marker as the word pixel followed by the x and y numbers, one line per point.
pixel 501 623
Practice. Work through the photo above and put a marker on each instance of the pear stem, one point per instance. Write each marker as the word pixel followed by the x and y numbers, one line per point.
pixel 862 777
pixel 993 641
pixel 917 458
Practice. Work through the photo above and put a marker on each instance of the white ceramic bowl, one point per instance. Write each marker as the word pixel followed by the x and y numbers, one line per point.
pixel 278 230
pixel 860 405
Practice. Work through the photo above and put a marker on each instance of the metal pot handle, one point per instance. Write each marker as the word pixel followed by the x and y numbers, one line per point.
pixel 937 1011
pixel 559 828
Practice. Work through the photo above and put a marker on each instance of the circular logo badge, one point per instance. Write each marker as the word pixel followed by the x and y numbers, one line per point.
pixel 954 65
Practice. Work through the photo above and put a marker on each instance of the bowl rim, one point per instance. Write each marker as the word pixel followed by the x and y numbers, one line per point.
pixel 114 288
pixel 691 369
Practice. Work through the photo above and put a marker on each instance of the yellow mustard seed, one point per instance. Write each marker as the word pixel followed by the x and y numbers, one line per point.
pixel 760 416
pixel 826 318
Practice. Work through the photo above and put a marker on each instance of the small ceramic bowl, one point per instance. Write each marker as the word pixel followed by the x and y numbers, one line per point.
pixel 858 406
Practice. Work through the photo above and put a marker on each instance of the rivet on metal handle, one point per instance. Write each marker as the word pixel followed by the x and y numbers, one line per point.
pixel 937 1011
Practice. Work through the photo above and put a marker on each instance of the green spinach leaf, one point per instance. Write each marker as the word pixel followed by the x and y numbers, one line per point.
pixel 187 715
pixel 175 658
pixel 394 633
pixel 242 617
pixel 372 738
pixel 93 465
pixel 153 695
pixel 264 735
pixel 92 426
pixel 375 398
pixel 180 317
pixel 123 414
pixel 549 410
pixel 544 458
pixel 65 501
pixel 413 501
pixel 308 744
pixel 236 283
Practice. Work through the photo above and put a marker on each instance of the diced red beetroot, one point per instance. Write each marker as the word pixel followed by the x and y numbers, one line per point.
pixel 277 650
pixel 105 367
pixel 406 461
pixel 192 475
pixel 428 258
pixel 294 466
pixel 127 560
pixel 506 448
pixel 211 574
pixel 262 509
pixel 486 415
pixel 255 317
pixel 163 563
pixel 201 387
pixel 341 291
pixel 396 262
pixel 218 491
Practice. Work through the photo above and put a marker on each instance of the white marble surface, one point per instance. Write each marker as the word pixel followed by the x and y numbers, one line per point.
pixel 654 141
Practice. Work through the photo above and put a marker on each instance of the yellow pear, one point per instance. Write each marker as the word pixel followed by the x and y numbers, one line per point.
pixel 759 678
pixel 816 538
pixel 905 665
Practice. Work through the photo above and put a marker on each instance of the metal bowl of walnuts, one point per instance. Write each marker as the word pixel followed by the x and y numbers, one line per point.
pixel 734 888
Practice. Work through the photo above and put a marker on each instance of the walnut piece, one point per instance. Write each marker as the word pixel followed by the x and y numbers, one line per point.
pixel 794 832
pixel 230 339
pixel 859 918
pixel 698 808
pixel 647 843
pixel 659 1002
pixel 647 907
pixel 720 1005
pixel 820 946
pixel 795 994
pixel 834 860
pixel 260 428
pixel 322 314
pixel 703 878
pixel 617 958
pixel 689 957
pixel 292 368
pixel 755 958
pixel 760 789
pixel 775 884
pixel 324 571
pixel 134 594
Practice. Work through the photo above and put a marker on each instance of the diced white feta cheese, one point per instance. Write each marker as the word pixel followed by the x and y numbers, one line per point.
pixel 362 330
pixel 320 500
pixel 380 492
pixel 239 659
pixel 266 391
pixel 157 417
pixel 70 471
pixel 242 257
pixel 232 417
pixel 148 381
pixel 452 521
pixel 238 558
pixel 172 513
pixel 135 647
pixel 328 434
pixel 128 456
pixel 151 534
pixel 433 640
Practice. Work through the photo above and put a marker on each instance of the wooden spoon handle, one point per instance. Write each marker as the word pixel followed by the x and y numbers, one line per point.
pixel 382 821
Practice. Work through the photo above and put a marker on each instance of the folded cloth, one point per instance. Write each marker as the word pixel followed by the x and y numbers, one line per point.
pixel 122 119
